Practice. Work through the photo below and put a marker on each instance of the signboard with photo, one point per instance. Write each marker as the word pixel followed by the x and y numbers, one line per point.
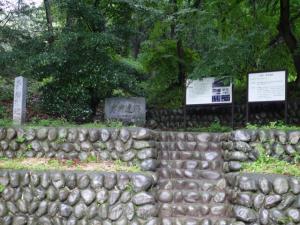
pixel 209 90
pixel 267 86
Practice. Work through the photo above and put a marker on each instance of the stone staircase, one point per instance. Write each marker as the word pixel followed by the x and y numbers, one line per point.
pixel 191 185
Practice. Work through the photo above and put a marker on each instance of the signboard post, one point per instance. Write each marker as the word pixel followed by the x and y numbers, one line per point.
pixel 267 87
pixel 210 91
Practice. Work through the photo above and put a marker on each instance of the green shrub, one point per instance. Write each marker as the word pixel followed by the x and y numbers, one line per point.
pixel 278 125
pixel 5 122
pixel 35 122
pixel 2 187
pixel 66 100
pixel 3 113
pixel 160 60
pixel 6 88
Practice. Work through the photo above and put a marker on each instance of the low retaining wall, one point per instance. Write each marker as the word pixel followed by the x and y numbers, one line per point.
pixel 244 146
pixel 81 198
pixel 99 198
pixel 265 199
pixel 262 198
pixel 135 146
pixel 167 119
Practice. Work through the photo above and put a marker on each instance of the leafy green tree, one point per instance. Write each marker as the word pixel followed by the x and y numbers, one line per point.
pixel 78 55
pixel 86 50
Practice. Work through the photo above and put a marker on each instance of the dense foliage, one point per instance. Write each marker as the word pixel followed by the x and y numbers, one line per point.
pixel 82 51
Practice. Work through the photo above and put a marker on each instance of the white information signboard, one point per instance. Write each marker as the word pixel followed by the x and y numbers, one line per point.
pixel 267 86
pixel 209 91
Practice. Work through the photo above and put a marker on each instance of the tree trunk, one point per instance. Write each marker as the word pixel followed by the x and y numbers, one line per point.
pixel 70 20
pixel 180 51
pixel 96 3
pixel 136 46
pixel 296 59
pixel 197 4
pixel 49 21
pixel 181 70
pixel 173 23
pixel 94 101
pixel 285 30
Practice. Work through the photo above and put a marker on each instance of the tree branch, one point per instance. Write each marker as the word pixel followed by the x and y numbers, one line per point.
pixel 49 21
pixel 284 26
pixel 285 30
pixel 275 40
pixel 197 4
pixel 295 17
pixel 7 18
pixel 96 3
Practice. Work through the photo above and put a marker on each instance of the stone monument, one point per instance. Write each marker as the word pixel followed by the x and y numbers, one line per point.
pixel 128 110
pixel 20 95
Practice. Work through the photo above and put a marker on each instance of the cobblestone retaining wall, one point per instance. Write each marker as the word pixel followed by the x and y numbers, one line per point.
pixel 197 179
pixel 132 145
pixel 265 199
pixel 76 198
pixel 168 119
pixel 244 146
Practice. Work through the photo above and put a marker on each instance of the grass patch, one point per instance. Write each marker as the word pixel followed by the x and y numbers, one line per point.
pixel 5 123
pixel 41 164
pixel 277 125
pixel 2 187
pixel 35 123
pixel 272 165
pixel 213 127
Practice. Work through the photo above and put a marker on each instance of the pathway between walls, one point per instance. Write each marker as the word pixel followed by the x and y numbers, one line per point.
pixel 191 185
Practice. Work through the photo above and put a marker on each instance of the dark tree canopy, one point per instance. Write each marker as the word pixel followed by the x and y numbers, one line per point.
pixel 82 51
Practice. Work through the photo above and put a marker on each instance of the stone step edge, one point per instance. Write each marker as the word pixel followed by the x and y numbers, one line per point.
pixel 217 149
pixel 190 180
pixel 189 190
pixel 185 160
pixel 200 218
pixel 210 168
pixel 192 170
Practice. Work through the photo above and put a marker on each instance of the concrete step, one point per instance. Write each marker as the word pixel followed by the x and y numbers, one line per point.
pixel 189 146
pixel 195 210
pixel 192 164
pixel 192 136
pixel 166 173
pixel 191 184
pixel 191 196
pixel 196 221
pixel 190 155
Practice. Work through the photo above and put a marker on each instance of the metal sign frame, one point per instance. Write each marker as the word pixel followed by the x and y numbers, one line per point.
pixel 285 102
pixel 231 104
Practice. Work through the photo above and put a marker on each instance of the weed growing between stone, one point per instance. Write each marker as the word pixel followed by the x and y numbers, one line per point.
pixel 276 125
pixel 269 164
pixel 61 122
pixel 41 164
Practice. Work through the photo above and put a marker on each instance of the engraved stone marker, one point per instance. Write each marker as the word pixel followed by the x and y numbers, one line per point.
pixel 128 110
pixel 20 95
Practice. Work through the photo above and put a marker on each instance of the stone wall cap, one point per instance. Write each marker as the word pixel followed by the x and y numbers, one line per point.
pixel 78 172
pixel 257 176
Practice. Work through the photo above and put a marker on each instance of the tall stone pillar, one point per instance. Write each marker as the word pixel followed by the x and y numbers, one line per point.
pixel 20 97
